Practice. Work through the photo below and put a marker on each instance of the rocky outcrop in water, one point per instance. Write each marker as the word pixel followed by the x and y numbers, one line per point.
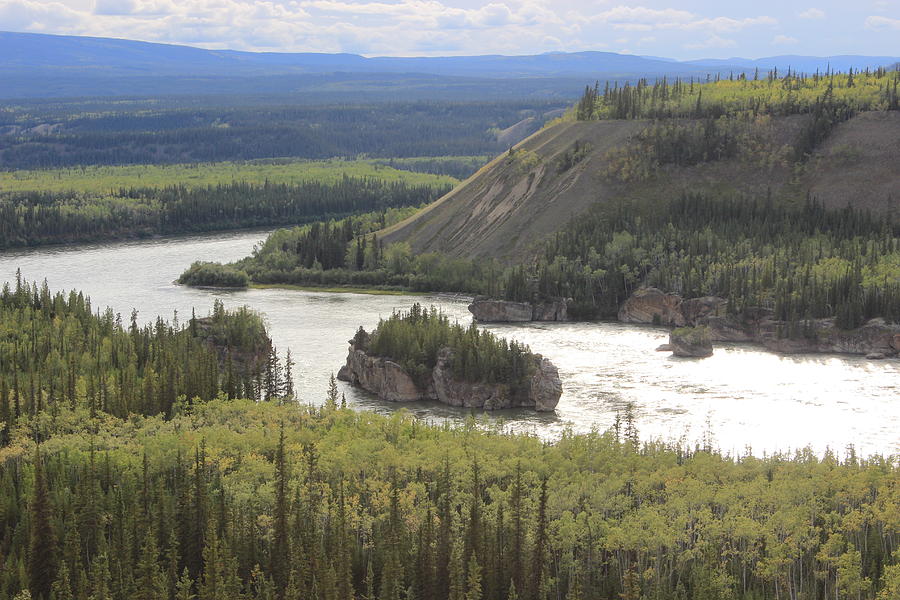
pixel 822 336
pixel 758 325
pixel 650 305
pixel 691 342
pixel 488 310
pixel 390 381
pixel 384 378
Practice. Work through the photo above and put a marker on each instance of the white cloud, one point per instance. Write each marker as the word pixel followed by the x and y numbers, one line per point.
pixel 784 40
pixel 25 15
pixel 812 14
pixel 878 22
pixel 713 42
pixel 433 27
pixel 643 15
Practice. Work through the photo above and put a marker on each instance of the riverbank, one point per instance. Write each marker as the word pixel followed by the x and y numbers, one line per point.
pixel 334 289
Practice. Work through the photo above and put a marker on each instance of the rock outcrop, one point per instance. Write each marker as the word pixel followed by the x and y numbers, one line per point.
pixel 390 381
pixel 823 336
pixel 650 305
pixel 697 310
pixel 488 310
pixel 758 325
pixel 691 342
pixel 382 377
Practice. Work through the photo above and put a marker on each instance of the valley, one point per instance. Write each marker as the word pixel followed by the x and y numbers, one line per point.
pixel 592 325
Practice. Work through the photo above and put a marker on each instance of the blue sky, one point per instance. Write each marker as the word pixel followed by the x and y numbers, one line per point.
pixel 683 30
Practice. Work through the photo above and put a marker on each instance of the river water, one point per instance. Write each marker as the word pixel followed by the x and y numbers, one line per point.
pixel 741 398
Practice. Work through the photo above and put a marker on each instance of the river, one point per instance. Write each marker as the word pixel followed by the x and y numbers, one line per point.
pixel 741 399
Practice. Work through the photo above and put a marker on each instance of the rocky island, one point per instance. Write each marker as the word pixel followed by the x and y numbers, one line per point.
pixel 492 310
pixel 419 355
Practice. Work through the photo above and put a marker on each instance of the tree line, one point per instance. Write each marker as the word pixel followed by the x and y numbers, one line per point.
pixel 803 262
pixel 32 218
pixel 790 93
pixel 166 131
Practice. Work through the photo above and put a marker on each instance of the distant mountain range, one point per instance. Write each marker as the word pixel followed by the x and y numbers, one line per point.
pixel 42 65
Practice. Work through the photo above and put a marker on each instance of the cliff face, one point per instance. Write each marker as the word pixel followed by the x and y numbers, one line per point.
pixel 389 381
pixel 487 310
pixel 382 377
pixel 651 305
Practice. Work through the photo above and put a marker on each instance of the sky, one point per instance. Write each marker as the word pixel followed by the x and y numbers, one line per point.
pixel 682 30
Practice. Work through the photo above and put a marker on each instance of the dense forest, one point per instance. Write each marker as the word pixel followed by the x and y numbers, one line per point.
pixel 33 218
pixel 414 338
pixel 113 132
pixel 109 491
pixel 242 499
pixel 57 356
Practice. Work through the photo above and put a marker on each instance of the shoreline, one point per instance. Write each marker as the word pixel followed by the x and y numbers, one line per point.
pixel 331 289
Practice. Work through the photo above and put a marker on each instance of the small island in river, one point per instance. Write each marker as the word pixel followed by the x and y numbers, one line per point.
pixel 420 355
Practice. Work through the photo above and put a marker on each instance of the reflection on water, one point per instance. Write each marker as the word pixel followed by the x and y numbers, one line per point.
pixel 740 397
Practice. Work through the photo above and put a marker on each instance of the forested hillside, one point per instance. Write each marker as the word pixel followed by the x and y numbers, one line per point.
pixel 716 205
pixel 127 472
pixel 833 137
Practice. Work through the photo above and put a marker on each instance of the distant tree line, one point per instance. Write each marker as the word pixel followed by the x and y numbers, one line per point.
pixel 32 218
pixel 115 133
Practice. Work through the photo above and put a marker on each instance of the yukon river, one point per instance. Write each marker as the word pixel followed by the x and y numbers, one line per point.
pixel 741 398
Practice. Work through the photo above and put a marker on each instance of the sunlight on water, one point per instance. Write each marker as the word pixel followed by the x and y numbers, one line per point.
pixel 741 397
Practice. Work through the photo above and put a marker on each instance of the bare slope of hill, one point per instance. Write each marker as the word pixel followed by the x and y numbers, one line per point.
pixel 559 172
pixel 520 197
pixel 859 164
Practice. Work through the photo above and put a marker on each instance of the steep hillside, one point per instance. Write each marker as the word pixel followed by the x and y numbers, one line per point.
pixel 859 164
pixel 517 198
pixel 558 173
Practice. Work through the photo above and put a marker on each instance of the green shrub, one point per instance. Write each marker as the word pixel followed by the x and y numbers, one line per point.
pixel 214 275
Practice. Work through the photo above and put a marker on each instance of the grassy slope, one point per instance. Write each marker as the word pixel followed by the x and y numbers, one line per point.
pixel 504 209
pixel 105 179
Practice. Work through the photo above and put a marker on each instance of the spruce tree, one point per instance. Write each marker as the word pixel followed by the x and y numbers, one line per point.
pixel 331 399
pixel 280 554
pixel 42 553
pixel 473 579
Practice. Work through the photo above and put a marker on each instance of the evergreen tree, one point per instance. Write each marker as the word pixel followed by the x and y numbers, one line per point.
pixel 42 553
pixel 281 551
